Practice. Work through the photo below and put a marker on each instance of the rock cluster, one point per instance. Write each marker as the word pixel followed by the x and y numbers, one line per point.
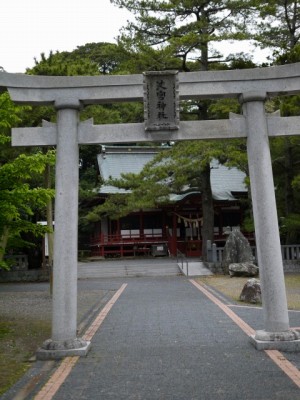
pixel 243 269
pixel 251 292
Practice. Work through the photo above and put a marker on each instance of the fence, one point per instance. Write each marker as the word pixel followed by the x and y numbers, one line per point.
pixel 183 262
pixel 17 262
pixel 289 252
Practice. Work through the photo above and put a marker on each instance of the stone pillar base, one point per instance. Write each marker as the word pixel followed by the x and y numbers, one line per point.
pixel 282 341
pixel 55 350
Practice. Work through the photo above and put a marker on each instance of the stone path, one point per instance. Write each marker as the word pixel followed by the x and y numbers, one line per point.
pixel 165 339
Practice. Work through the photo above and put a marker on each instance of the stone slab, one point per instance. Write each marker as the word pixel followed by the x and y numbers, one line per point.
pixel 101 89
pixel 44 355
pixel 135 132
pixel 124 268
pixel 287 345
pixel 195 268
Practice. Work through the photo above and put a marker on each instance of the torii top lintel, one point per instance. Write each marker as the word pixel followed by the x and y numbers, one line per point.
pixel 46 90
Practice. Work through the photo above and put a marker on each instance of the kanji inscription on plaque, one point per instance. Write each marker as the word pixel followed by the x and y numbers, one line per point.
pixel 161 100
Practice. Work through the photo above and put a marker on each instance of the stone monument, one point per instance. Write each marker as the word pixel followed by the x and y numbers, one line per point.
pixel 237 251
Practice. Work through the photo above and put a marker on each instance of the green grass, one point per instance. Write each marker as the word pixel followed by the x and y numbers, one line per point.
pixel 232 287
pixel 18 341
pixel 5 330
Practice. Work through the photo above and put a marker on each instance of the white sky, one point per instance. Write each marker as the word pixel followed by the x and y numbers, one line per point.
pixel 31 27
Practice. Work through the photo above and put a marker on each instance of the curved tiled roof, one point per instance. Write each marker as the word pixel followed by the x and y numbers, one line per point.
pixel 116 160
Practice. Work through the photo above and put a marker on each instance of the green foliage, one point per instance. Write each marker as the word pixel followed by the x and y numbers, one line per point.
pixel 290 106
pixel 290 226
pixel 286 168
pixel 183 28
pixel 222 108
pixel 9 113
pixel 286 165
pixel 59 64
pixel 19 199
pixel 277 27
pixel 248 223
pixel 108 57
pixel 146 58
pixel 90 59
pixel 4 265
pixel 288 56
pixel 296 182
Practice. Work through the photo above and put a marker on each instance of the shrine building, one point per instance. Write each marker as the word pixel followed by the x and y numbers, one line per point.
pixel 170 227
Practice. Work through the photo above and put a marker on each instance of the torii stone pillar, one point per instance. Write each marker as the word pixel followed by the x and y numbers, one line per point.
pixel 275 310
pixel 64 341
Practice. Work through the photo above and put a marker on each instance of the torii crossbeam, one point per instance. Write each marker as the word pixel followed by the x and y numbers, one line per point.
pixel 69 94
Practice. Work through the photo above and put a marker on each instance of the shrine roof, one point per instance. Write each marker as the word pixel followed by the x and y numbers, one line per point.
pixel 115 160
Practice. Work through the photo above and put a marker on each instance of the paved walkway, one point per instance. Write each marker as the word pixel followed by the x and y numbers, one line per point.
pixel 163 338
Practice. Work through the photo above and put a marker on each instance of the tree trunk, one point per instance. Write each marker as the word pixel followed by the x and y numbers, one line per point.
pixel 289 176
pixel 49 212
pixel 3 241
pixel 207 210
pixel 204 56
pixel 205 184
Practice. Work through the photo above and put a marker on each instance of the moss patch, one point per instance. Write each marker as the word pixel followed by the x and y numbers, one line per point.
pixel 19 340
pixel 25 323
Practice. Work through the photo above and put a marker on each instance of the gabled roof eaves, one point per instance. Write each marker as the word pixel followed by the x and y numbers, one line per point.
pixel 113 164
pixel 116 161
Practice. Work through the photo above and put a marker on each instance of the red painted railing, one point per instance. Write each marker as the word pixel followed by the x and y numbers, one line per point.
pixel 125 244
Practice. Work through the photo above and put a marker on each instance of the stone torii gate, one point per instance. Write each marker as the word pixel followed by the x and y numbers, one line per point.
pixel 69 94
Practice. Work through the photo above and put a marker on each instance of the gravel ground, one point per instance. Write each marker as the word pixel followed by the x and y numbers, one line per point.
pixel 37 304
pixel 25 323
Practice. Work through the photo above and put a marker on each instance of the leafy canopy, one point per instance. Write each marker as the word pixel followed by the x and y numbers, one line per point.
pixel 19 200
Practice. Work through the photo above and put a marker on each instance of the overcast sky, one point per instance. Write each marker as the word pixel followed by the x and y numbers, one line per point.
pixel 31 27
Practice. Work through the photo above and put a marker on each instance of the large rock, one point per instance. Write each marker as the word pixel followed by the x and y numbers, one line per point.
pixel 243 269
pixel 237 250
pixel 251 292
